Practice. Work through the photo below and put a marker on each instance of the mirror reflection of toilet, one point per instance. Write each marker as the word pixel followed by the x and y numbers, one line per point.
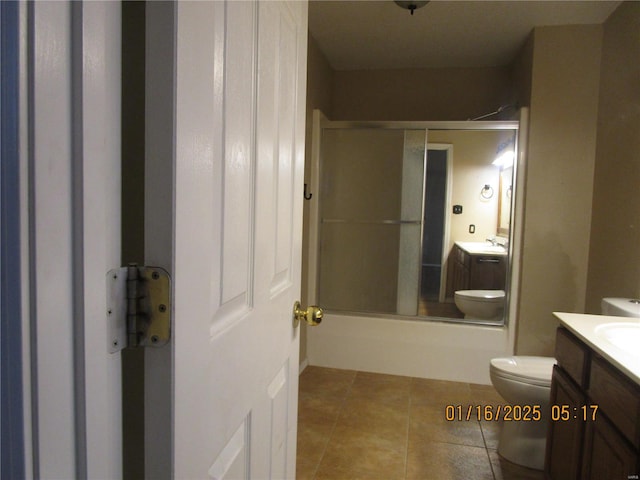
pixel 480 304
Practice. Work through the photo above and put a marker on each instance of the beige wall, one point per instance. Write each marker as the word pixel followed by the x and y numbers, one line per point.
pixel 522 74
pixel 614 259
pixel 319 83
pixel 559 181
pixel 424 94
pixel 319 80
pixel 473 152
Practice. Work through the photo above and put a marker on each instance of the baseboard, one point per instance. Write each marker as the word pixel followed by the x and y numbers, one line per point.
pixel 304 364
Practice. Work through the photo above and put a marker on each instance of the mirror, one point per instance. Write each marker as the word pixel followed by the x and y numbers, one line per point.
pixel 389 235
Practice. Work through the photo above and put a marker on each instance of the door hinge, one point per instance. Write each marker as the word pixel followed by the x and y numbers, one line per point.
pixel 138 307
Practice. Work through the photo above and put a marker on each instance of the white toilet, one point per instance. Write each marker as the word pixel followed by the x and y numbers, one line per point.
pixel 480 304
pixel 621 307
pixel 526 381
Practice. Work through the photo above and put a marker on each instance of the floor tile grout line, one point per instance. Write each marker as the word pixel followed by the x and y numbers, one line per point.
pixel 486 446
pixel 333 427
pixel 486 449
pixel 406 453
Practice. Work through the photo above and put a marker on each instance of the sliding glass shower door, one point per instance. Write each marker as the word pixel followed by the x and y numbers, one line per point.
pixel 371 219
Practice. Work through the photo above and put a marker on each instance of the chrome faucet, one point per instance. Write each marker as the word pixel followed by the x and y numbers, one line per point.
pixel 492 241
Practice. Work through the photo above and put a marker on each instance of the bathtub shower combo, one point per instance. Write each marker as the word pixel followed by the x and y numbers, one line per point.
pixel 412 232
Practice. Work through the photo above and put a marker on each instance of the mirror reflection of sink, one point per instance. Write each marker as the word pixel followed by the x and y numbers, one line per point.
pixel 481 248
pixel 625 336
pixel 493 248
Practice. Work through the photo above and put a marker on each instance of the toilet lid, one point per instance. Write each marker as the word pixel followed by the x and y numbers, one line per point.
pixel 534 370
pixel 476 294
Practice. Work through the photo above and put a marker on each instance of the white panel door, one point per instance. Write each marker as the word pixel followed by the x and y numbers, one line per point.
pixel 239 153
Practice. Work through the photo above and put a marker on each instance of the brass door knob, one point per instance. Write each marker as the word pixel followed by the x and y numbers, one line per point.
pixel 312 315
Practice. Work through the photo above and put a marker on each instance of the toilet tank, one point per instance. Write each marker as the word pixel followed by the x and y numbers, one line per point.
pixel 621 307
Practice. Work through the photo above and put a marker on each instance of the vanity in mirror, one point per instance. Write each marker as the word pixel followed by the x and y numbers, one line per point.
pixel 414 218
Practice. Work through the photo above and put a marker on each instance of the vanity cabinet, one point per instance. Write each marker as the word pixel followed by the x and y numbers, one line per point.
pixel 469 271
pixel 594 432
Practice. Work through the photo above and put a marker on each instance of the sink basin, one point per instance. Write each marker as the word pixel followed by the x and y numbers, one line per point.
pixel 625 336
pixel 493 249
pixel 481 248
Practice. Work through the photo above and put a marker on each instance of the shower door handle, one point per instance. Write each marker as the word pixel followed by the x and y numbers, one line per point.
pixel 312 315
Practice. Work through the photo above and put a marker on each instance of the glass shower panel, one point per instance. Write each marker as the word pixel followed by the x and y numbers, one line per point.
pixel 370 235
pixel 359 267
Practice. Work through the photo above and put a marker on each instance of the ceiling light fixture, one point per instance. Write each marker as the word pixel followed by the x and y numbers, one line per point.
pixel 410 5
pixel 506 154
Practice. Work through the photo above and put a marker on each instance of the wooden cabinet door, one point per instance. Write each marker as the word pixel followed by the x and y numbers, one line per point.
pixel 606 453
pixel 564 444
pixel 458 274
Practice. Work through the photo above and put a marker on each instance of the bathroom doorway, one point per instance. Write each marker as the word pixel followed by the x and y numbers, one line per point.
pixel 434 233
pixel 438 185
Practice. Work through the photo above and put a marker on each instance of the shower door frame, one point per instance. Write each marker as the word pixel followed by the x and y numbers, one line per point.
pixel 321 122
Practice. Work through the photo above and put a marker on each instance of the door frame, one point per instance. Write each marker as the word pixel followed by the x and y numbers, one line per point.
pixel 159 223
pixel 69 117
pixel 62 416
pixel 14 434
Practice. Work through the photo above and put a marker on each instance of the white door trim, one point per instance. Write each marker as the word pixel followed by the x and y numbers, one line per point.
pixel 71 96
pixel 51 201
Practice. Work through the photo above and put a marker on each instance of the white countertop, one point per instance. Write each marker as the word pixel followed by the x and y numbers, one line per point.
pixel 482 248
pixel 586 327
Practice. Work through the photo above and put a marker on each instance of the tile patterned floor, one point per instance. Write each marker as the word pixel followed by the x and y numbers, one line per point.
pixel 364 426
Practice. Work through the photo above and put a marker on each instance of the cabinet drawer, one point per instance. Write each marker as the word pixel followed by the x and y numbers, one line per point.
pixel 617 397
pixel 573 356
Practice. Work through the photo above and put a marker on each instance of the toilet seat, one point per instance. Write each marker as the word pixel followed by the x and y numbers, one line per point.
pixel 525 369
pixel 485 296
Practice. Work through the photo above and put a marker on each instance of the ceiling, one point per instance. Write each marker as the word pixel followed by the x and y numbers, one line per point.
pixel 358 35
